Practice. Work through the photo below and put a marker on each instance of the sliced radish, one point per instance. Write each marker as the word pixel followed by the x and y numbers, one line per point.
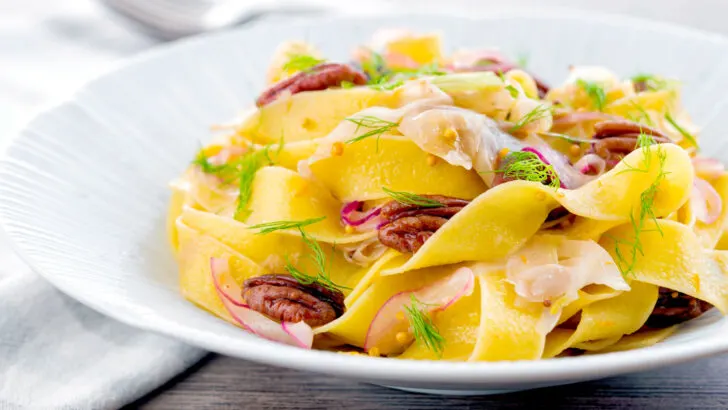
pixel 438 296
pixel 400 60
pixel 706 202
pixel 227 289
pixel 300 332
pixel 295 334
pixel 708 168
pixel 591 164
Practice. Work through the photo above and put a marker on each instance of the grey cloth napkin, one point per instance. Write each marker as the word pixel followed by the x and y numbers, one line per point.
pixel 58 354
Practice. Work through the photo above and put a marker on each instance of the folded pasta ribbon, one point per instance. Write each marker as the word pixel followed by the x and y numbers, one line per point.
pixel 502 219
pixel 671 255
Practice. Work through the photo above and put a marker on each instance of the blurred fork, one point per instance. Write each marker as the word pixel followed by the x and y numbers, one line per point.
pixel 172 19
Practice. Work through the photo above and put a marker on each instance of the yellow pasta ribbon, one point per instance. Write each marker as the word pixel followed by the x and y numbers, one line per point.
pixel 710 234
pixel 311 114
pixel 352 327
pixel 458 325
pixel 673 257
pixel 597 345
pixel 174 210
pixel 503 218
pixel 364 167
pixel 643 338
pixel 391 258
pixel 509 329
pixel 606 319
pixel 273 250
pixel 587 296
pixel 195 278
pixel 280 194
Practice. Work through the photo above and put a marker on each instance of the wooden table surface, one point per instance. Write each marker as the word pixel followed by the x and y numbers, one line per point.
pixel 226 383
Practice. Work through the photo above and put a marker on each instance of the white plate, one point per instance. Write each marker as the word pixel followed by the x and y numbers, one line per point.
pixel 83 189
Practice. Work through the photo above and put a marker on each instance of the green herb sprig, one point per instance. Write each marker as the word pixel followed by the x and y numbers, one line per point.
pixel 534 115
pixel 268 227
pixel 376 126
pixel 226 172
pixel 513 91
pixel 386 85
pixel 681 130
pixel 375 68
pixel 423 329
pixel 595 92
pixel 243 169
pixel 527 166
pixel 408 198
pixel 643 117
pixel 321 277
pixel 301 62
pixel 652 82
pixel 627 262
pixel 568 138
pixel 249 166
pixel 383 77
pixel 316 254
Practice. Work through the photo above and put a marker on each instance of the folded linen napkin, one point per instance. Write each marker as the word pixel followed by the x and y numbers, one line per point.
pixel 58 354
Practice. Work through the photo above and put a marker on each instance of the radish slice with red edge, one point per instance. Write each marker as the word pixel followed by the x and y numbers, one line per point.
pixel 295 334
pixel 227 289
pixel 437 296
pixel 300 332
pixel 591 164
pixel 706 202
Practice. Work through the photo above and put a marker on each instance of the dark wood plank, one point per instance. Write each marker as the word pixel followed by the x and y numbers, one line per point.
pixel 227 383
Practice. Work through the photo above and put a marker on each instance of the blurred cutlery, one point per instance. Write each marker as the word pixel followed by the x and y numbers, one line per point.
pixel 172 19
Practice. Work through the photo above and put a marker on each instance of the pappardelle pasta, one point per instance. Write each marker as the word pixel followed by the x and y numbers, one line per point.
pixel 417 205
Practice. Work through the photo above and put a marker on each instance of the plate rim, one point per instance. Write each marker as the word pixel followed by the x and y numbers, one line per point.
pixel 382 369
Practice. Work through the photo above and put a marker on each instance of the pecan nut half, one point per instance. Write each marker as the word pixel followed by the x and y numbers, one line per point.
pixel 674 307
pixel 609 147
pixel 621 128
pixel 394 209
pixel 282 297
pixel 613 140
pixel 318 78
pixel 640 86
pixel 409 233
pixel 410 225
